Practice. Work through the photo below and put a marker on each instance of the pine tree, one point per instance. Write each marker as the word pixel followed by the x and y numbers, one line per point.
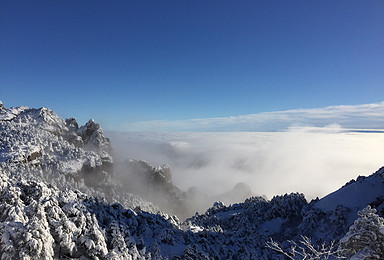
pixel 119 248
pixel 365 238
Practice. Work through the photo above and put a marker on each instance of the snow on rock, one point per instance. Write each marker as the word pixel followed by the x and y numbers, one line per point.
pixel 195 229
pixel 39 134
pixel 92 135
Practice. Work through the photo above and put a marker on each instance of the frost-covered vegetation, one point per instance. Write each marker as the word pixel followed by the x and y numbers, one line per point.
pixel 62 198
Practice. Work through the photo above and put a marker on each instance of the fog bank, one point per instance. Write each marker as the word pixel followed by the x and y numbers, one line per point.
pixel 312 161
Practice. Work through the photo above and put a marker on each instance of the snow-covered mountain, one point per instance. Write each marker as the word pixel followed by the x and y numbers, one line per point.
pixel 62 198
pixel 38 144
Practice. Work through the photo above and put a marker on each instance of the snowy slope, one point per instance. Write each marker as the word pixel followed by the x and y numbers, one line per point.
pixel 356 195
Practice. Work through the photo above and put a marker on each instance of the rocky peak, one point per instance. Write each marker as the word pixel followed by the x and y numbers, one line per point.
pixel 163 173
pixel 93 137
pixel 72 124
pixel 155 184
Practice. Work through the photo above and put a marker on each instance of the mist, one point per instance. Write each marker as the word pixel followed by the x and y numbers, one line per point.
pixel 313 161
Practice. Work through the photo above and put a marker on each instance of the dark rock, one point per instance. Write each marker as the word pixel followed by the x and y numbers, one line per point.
pixel 155 184
pixel 33 156
pixel 72 124
pixel 93 137
pixel 73 138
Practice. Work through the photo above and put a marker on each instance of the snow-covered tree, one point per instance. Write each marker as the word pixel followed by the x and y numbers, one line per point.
pixel 365 238
pixel 119 248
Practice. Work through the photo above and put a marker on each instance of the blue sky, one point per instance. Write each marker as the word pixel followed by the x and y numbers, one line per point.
pixel 123 62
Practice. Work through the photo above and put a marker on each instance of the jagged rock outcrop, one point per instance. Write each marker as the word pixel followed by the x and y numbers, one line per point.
pixel 93 137
pixel 72 136
pixel 2 107
pixel 155 184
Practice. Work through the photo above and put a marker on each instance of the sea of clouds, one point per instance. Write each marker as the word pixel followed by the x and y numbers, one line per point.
pixel 314 161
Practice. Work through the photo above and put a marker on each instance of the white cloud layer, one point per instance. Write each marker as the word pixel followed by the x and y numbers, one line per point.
pixel 314 154
pixel 315 161
pixel 367 116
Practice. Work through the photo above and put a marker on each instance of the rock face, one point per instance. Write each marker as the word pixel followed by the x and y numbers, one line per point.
pixel 155 184
pixel 60 199
pixel 93 137
pixel 72 136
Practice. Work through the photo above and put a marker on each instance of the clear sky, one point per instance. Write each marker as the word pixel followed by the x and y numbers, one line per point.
pixel 124 61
